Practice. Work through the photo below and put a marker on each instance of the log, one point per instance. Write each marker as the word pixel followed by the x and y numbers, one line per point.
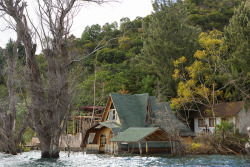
pixel 232 151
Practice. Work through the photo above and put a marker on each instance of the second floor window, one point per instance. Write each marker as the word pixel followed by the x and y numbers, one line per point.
pixel 112 114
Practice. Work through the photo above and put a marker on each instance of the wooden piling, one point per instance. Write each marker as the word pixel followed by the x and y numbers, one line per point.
pixel 140 148
pixel 147 147
pixel 73 126
pixel 80 130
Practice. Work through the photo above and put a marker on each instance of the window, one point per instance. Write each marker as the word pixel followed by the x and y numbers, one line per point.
pixel 112 115
pixel 201 123
pixel 224 119
pixel 211 122
pixel 103 140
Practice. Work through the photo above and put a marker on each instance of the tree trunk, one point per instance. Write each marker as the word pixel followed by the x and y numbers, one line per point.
pixel 49 147
pixel 12 148
pixel 9 135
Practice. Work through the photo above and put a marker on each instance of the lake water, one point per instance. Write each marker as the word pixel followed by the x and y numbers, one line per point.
pixel 32 158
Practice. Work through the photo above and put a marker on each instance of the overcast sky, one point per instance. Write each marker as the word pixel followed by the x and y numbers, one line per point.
pixel 96 14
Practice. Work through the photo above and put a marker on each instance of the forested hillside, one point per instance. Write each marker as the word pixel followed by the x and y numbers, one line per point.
pixel 138 55
pixel 141 55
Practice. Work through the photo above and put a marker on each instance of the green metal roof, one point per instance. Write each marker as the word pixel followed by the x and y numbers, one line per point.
pixel 133 135
pixel 110 124
pixel 157 107
pixel 131 109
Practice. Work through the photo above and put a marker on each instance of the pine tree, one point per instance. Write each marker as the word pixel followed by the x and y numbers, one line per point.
pixel 236 37
pixel 168 37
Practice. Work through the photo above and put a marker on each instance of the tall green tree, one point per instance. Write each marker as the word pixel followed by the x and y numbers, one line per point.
pixel 167 38
pixel 236 37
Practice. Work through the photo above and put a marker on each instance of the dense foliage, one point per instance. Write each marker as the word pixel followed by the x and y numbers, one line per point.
pixel 141 56
pixel 211 14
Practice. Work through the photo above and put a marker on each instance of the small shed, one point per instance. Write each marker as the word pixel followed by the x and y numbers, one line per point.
pixel 142 135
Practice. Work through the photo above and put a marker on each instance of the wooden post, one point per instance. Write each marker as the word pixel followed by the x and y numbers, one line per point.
pixel 140 148
pixel 77 125
pixel 115 144
pixel 113 149
pixel 73 125
pixel 67 127
pixel 80 124
pixel 147 147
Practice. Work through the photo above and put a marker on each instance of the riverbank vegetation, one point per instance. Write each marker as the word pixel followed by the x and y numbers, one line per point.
pixel 224 141
pixel 191 53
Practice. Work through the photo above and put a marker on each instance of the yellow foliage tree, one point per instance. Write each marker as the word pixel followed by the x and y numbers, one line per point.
pixel 198 82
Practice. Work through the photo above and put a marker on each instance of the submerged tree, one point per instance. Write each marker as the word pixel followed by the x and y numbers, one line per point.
pixel 50 98
pixel 166 119
pixel 10 133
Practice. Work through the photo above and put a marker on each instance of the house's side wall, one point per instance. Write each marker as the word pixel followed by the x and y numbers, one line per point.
pixel 243 121
pixel 198 129
pixel 72 141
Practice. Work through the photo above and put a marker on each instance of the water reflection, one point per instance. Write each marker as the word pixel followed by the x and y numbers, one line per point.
pixel 80 159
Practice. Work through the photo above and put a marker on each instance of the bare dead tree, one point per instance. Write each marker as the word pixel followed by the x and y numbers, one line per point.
pixel 167 121
pixel 10 135
pixel 50 98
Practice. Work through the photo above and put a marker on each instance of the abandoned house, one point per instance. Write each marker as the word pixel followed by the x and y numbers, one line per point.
pixel 135 122
pixel 81 119
pixel 230 111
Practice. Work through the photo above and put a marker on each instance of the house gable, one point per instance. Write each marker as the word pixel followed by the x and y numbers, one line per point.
pixel 110 113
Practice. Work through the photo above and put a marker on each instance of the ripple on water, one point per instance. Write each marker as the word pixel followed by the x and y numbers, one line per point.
pixel 32 159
